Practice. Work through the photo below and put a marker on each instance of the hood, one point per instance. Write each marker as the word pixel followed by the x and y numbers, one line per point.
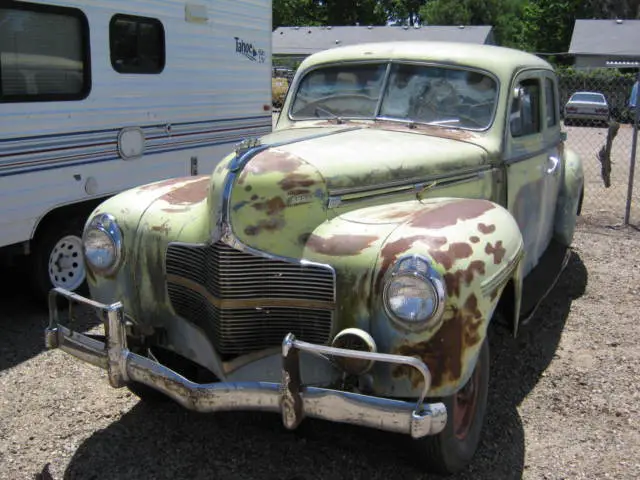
pixel 280 197
pixel 372 155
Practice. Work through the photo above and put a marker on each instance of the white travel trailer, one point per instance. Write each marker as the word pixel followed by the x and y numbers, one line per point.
pixel 100 96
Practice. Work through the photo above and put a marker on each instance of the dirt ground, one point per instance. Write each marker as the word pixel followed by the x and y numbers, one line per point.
pixel 564 401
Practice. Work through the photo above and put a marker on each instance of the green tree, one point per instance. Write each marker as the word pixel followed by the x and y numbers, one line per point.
pixel 503 15
pixel 402 12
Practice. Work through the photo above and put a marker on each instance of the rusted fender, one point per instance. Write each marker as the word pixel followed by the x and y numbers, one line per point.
pixel 569 197
pixel 474 244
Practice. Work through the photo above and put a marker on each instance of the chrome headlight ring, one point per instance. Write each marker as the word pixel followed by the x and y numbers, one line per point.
pixel 102 244
pixel 414 273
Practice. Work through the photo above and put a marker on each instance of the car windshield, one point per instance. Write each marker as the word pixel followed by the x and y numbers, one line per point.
pixel 431 94
pixel 588 97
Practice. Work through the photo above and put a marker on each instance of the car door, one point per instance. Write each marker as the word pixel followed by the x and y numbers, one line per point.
pixel 553 168
pixel 532 164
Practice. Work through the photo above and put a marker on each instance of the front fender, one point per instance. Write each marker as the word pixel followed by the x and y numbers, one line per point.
pixel 475 245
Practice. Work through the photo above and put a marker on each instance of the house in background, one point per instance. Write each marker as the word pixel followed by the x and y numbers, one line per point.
pixel 300 42
pixel 605 43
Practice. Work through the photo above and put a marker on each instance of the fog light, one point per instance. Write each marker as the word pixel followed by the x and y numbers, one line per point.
pixel 354 339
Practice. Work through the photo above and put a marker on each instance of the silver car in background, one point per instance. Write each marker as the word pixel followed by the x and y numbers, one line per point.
pixel 587 106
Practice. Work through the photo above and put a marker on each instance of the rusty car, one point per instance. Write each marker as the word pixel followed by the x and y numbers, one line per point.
pixel 348 265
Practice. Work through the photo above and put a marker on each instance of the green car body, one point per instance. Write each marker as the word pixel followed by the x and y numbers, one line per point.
pixel 343 198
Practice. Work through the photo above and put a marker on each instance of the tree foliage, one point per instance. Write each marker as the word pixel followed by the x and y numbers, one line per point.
pixel 503 15
pixel 533 25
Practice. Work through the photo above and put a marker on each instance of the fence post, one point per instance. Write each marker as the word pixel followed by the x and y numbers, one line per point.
pixel 634 143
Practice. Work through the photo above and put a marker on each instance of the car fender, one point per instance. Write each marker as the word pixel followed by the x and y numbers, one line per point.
pixel 569 197
pixel 474 245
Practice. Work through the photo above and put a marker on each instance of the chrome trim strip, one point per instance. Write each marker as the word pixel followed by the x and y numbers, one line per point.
pixel 409 182
pixel 336 201
pixel 249 302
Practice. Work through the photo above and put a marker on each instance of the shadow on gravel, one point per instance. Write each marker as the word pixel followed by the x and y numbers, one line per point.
pixel 23 318
pixel 166 441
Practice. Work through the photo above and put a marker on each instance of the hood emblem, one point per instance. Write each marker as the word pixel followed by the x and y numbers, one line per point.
pixel 294 198
pixel 246 145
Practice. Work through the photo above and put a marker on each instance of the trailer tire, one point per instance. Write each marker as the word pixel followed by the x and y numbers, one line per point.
pixel 57 259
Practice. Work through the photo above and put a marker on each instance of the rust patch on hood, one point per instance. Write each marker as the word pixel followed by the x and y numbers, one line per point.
pixel 474 239
pixel 192 192
pixel 270 161
pixel 271 225
pixel 272 207
pixel 296 181
pixel 444 352
pixel 340 245
pixel 450 213
pixel 498 251
pixel 431 130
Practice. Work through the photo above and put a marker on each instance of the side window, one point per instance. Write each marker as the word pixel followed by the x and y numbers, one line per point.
pixel 44 53
pixel 137 44
pixel 550 96
pixel 525 110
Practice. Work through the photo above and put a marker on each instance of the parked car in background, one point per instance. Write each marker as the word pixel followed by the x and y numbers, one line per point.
pixel 587 106
pixel 349 265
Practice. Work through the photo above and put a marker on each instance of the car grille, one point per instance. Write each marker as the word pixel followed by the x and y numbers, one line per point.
pixel 246 302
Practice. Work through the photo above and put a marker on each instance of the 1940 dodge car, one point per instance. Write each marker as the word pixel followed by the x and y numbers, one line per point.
pixel 348 265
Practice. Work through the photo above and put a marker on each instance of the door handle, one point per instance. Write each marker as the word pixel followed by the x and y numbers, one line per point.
pixel 552 164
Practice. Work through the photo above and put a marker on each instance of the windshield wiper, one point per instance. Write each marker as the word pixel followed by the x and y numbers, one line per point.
pixel 332 116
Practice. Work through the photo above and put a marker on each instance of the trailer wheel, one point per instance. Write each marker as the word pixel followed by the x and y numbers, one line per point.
pixel 57 259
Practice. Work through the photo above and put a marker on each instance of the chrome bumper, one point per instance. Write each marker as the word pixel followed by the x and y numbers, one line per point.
pixel 291 398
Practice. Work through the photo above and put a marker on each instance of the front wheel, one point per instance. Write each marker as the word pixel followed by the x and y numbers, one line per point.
pixel 452 450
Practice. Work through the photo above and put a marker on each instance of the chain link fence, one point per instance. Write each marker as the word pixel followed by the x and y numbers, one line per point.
pixel 600 128
pixel 601 134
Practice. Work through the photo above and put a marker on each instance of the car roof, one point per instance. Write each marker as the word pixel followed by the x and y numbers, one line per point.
pixel 587 93
pixel 500 60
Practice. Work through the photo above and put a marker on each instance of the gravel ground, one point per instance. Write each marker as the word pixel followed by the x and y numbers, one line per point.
pixel 563 402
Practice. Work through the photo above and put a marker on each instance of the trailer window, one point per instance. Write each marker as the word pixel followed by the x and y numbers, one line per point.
pixel 137 44
pixel 44 53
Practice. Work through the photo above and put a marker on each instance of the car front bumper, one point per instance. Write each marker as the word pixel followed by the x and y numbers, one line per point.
pixel 293 400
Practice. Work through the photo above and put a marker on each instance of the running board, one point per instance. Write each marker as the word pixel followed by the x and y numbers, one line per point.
pixel 542 279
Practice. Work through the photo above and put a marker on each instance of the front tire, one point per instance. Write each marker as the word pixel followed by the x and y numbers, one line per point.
pixel 453 449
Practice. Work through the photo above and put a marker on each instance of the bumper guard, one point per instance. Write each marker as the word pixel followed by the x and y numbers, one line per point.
pixel 291 398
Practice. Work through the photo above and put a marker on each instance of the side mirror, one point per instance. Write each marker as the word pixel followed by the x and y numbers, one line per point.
pixel 563 136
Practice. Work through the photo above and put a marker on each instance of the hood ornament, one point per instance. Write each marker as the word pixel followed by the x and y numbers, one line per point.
pixel 246 145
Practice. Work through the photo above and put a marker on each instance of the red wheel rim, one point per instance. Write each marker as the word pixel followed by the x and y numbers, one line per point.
pixel 464 405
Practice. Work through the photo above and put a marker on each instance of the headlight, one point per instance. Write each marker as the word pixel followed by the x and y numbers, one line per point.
pixel 414 293
pixel 102 244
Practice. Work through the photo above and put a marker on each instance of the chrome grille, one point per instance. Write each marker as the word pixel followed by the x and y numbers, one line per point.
pixel 202 281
